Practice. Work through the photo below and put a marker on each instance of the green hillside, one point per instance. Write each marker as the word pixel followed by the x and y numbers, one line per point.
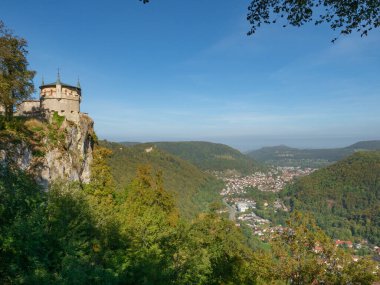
pixel 367 145
pixel 287 156
pixel 130 143
pixel 344 197
pixel 209 156
pixel 192 188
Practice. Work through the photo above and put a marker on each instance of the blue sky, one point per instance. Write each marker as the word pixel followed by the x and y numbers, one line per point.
pixel 186 70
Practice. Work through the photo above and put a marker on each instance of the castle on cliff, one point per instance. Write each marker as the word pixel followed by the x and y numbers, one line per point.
pixel 62 98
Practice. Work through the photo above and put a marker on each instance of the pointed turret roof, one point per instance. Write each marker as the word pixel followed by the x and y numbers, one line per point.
pixel 58 78
pixel 58 82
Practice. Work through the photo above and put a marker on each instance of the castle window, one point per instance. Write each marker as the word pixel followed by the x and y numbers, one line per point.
pixel 62 111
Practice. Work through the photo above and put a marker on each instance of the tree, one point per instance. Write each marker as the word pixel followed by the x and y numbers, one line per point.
pixel 346 16
pixel 220 252
pixel 102 182
pixel 148 219
pixel 304 254
pixel 16 80
pixel 22 212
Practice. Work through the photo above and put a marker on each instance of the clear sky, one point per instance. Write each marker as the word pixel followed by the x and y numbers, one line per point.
pixel 186 70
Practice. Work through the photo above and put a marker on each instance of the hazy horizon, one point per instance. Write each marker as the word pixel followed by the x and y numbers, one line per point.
pixel 253 143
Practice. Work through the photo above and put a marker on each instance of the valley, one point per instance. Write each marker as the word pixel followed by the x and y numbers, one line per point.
pixel 272 180
pixel 143 143
pixel 141 191
pixel 263 201
pixel 256 197
pixel 252 200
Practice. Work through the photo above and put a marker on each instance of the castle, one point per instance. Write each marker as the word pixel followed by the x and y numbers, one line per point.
pixel 57 97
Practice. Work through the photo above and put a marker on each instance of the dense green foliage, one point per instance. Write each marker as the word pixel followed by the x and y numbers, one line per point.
pixel 75 236
pixel 287 156
pixel 300 248
pixel 344 197
pixel 95 235
pixel 16 80
pixel 193 189
pixel 210 156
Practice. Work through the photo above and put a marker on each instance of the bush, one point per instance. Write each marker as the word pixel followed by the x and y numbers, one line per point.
pixel 57 119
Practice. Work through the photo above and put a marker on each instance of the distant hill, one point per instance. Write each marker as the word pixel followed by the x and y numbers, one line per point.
pixel 366 145
pixel 130 143
pixel 344 197
pixel 210 156
pixel 192 188
pixel 287 156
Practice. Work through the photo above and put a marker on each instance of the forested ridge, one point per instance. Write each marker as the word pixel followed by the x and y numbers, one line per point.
pixel 148 214
pixel 192 188
pixel 344 197
pixel 125 227
pixel 210 156
pixel 287 156
pixel 95 233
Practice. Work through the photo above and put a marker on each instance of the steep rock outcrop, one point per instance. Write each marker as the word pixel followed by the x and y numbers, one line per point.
pixel 51 151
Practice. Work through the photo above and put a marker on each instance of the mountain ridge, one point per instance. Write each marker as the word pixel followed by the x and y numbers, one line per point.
pixel 208 156
pixel 344 197
pixel 193 188
pixel 283 155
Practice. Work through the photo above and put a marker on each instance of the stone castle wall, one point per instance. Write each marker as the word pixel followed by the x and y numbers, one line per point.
pixel 61 98
pixel 28 107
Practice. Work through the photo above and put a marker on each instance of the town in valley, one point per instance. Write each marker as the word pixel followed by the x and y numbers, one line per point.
pixel 244 208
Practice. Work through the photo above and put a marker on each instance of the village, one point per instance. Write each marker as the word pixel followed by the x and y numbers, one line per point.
pixel 243 210
pixel 273 181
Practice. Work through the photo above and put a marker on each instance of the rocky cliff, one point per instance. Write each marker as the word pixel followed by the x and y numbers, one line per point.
pixel 58 149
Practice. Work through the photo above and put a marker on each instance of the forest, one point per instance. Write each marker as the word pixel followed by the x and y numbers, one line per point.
pixel 192 189
pixel 94 233
pixel 149 213
pixel 344 197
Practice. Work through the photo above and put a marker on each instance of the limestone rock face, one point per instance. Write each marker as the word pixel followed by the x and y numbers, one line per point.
pixel 17 154
pixel 68 159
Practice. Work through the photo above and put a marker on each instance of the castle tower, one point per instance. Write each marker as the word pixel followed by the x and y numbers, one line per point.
pixel 61 98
